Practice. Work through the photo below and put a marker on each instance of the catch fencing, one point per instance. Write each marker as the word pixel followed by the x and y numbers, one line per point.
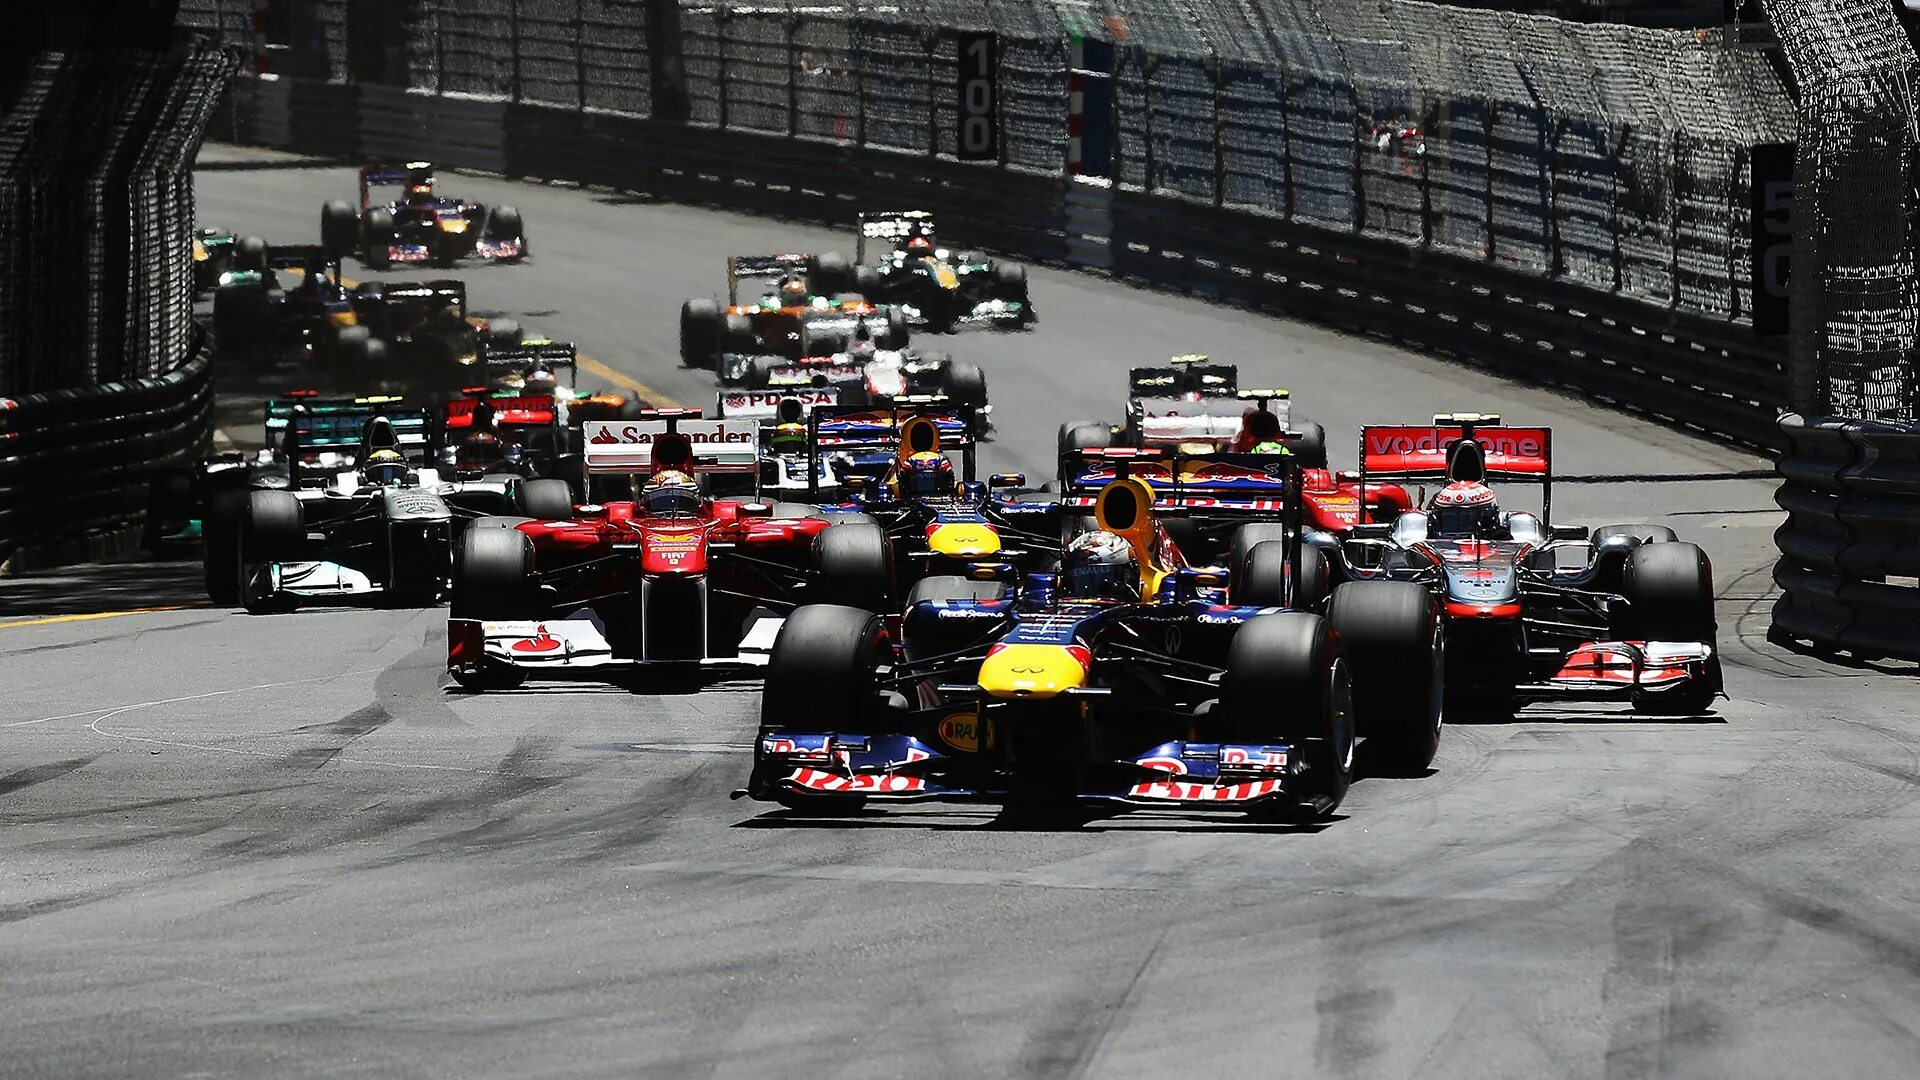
pixel 104 375
pixel 1849 569
pixel 1565 203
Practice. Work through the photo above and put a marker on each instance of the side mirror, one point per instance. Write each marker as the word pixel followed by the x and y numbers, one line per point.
pixel 991 571
pixel 756 510
pixel 1570 532
pixel 1007 480
pixel 1373 531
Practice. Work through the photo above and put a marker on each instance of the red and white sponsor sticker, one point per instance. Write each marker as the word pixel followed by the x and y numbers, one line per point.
pixel 857 784
pixel 1184 791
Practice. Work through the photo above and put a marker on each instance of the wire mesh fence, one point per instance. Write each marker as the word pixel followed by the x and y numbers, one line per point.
pixel 95 253
pixel 1605 157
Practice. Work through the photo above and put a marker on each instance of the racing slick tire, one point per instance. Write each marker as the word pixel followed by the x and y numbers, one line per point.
pixel 795 510
pixel 1310 449
pixel 272 529
pixel 815 341
pixel 822 664
pixel 1647 534
pixel 250 253
pixel 1009 281
pixel 339 228
pixel 543 500
pixel 854 565
pixel 352 353
pixel 866 281
pixel 830 272
pixel 221 558
pixel 966 384
pixel 1389 632
pixel 503 223
pixel 738 335
pixel 1244 539
pixel 898 331
pixel 378 229
pixel 1263 578
pixel 759 373
pixel 1286 680
pixel 493 576
pixel 242 317
pixel 1669 591
pixel 1084 435
pixel 701 329
pixel 504 332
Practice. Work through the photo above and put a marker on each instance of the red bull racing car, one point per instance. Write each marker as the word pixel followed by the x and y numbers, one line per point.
pixel 1126 677
pixel 419 225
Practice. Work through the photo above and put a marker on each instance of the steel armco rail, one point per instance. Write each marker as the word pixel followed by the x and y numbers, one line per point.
pixel 75 464
pixel 1702 371
pixel 1849 569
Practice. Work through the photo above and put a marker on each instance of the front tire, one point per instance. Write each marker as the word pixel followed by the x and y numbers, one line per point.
pixel 1669 591
pixel 1389 632
pixel 854 564
pixel 1286 681
pixel 493 577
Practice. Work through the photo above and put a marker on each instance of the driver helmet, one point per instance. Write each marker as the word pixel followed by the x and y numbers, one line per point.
pixel 420 193
pixel 479 452
pixel 385 468
pixel 919 244
pixel 538 380
pixel 1261 432
pixel 1463 509
pixel 788 437
pixel 793 291
pixel 926 474
pixel 861 350
pixel 1100 566
pixel 670 492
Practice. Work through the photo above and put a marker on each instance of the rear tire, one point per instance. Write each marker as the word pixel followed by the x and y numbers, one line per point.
pixel 853 560
pixel 543 500
pixel 966 384
pixel 1646 534
pixel 1389 632
pixel 1009 281
pixel 1285 681
pixel 701 325
pixel 831 273
pixel 1084 435
pixel 339 226
pixel 1310 449
pixel 505 332
pixel 1245 538
pixel 1264 580
pixel 378 227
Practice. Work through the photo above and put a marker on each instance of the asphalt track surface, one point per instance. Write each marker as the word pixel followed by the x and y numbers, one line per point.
pixel 247 846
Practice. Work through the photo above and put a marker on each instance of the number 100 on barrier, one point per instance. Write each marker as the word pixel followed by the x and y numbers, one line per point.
pixel 979 105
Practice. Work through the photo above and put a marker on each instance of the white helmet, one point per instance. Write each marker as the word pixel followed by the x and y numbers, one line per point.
pixel 1100 565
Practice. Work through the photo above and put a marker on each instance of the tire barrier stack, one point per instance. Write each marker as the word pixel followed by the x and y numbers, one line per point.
pixel 1849 569
pixel 106 376
pixel 75 464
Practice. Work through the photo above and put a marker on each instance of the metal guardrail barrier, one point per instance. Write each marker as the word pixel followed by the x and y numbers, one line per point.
pixel 75 464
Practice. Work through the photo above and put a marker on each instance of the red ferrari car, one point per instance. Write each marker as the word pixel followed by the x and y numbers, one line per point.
pixel 670 577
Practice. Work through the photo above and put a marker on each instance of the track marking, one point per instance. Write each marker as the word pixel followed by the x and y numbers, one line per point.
pixel 104 615
pixel 113 709
pixel 626 382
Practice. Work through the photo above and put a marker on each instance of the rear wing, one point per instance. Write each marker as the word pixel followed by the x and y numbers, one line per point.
pixel 1420 452
pixel 552 355
pixel 1210 483
pixel 750 267
pixel 408 173
pixel 674 439
pixel 764 406
pixel 446 291
pixel 892 227
pixel 312 431
pixel 520 410
pixel 1183 376
pixel 877 429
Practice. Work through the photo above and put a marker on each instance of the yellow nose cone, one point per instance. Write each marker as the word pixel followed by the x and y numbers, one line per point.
pixel 964 540
pixel 1033 671
pixel 343 318
pixel 944 274
pixel 453 225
